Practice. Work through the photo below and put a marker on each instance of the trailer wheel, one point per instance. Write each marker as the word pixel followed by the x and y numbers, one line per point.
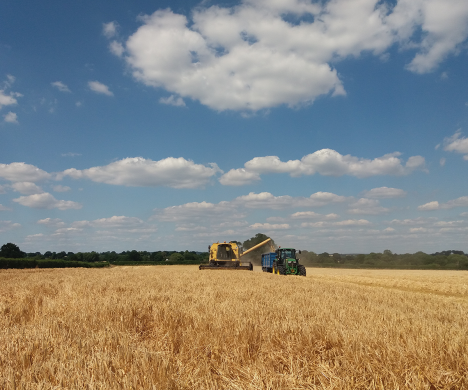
pixel 302 270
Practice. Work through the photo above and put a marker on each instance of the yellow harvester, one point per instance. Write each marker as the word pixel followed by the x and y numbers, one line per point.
pixel 227 256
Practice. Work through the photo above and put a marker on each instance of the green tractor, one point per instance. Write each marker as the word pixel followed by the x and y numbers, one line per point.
pixel 283 262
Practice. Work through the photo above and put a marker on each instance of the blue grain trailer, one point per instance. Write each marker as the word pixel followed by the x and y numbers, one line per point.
pixel 268 260
pixel 282 262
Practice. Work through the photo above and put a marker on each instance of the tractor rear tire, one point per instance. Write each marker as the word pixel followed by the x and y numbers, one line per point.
pixel 281 270
pixel 302 270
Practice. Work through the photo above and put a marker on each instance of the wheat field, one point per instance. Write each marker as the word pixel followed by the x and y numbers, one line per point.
pixel 175 327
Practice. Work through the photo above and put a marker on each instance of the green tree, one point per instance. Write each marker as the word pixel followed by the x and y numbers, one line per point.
pixel 134 256
pixel 176 257
pixel 91 257
pixel 11 251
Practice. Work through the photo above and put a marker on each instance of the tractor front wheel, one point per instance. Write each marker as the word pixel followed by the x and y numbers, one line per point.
pixel 302 270
pixel 281 270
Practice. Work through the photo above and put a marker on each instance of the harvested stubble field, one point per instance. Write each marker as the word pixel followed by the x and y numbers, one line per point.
pixel 174 327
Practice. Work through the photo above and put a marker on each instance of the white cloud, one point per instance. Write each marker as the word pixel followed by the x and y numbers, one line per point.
pixel 198 211
pixel 19 171
pixel 10 117
pixel 3 208
pixel 8 225
pixel 326 162
pixel 110 29
pixel 239 177
pixel 442 161
pixel 140 172
pixel 60 86
pixel 2 190
pixel 435 205
pixel 444 76
pixel 313 215
pixel 117 221
pixel 457 143
pixel 116 48
pixel 367 207
pixel 266 200
pixel 60 188
pixel 429 206
pixel 46 201
pixel 250 57
pixel 51 222
pixel 98 87
pixel 465 214
pixel 414 221
pixel 27 188
pixel 384 192
pixel 269 226
pixel 443 25
pixel 173 101
pixel 7 100
pixel 418 230
pixel 348 222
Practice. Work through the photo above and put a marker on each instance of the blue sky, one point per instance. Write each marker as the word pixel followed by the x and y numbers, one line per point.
pixel 338 126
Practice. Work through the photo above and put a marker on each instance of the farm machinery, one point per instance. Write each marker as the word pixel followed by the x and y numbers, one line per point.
pixel 282 262
pixel 227 256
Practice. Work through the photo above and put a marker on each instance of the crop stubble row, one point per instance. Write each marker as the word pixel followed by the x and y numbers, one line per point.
pixel 174 327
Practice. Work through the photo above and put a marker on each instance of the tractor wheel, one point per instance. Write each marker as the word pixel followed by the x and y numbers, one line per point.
pixel 302 270
pixel 281 270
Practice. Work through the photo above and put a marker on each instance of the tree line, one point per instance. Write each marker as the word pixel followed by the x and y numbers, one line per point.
pixel 12 251
pixel 449 259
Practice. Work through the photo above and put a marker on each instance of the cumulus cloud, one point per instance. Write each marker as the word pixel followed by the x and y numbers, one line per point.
pixel 10 117
pixel 429 206
pixel 384 192
pixel 435 205
pixel 261 54
pixel 60 86
pixel 269 226
pixel 27 188
pixel 60 188
pixel 140 172
pixel 98 87
pixel 3 208
pixel 367 207
pixel 345 223
pixel 413 221
pixel 313 215
pixel 173 101
pixel 7 100
pixel 198 211
pixel 239 177
pixel 8 225
pixel 51 222
pixel 116 48
pixel 110 29
pixel 326 162
pixel 456 143
pixel 22 172
pixel 266 200
pixel 46 201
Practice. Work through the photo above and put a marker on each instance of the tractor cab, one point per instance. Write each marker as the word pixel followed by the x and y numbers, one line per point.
pixel 287 262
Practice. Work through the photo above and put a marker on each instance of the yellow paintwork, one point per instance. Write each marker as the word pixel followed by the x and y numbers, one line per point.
pixel 229 253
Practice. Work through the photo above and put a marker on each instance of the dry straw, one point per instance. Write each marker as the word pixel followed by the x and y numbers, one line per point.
pixel 174 327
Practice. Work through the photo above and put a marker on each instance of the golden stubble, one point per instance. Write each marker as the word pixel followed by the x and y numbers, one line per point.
pixel 174 327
